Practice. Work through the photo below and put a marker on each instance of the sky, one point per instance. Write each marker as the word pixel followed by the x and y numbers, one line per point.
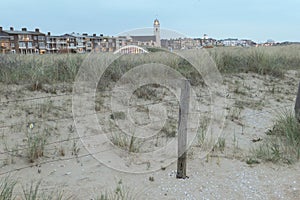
pixel 259 20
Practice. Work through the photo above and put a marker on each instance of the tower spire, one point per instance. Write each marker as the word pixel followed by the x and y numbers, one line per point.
pixel 156 29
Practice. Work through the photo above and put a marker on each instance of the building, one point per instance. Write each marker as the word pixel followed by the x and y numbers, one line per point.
pixel 4 42
pixel 236 42
pixel 80 43
pixel 23 42
pixel 28 42
pixel 108 44
pixel 156 27
pixel 57 44
pixel 142 40
pixel 189 43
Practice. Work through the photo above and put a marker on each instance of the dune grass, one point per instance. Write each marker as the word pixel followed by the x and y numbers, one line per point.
pixel 18 69
pixel 64 67
pixel 31 191
pixel 121 192
pixel 261 60
pixel 282 143
pixel 7 187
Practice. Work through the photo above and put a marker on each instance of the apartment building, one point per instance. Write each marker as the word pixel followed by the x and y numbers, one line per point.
pixel 4 42
pixel 236 42
pixel 28 42
pixel 61 43
pixel 108 44
pixel 23 41
pixel 80 43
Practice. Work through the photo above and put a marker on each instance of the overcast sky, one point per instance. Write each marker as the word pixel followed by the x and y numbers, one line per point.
pixel 258 20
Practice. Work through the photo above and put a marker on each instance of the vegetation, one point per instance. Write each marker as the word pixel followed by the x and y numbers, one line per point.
pixel 36 141
pixel 6 188
pixel 262 60
pixel 126 142
pixel 30 192
pixel 119 193
pixel 282 143
pixel 37 69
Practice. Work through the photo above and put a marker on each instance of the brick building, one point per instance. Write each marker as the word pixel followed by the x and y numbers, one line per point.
pixel 23 41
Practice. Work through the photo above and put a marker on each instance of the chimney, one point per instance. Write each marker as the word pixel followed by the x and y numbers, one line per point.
pixel 101 35
pixel 85 34
pixel 37 30
pixel 94 35
pixel 49 33
pixel 1 28
pixel 24 29
pixel 11 28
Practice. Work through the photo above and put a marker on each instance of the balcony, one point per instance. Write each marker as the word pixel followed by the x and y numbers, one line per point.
pixel 51 41
pixel 61 42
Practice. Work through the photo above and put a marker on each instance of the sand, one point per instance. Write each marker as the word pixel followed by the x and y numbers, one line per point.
pixel 67 163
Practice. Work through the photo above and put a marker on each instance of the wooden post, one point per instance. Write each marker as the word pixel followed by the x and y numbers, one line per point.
pixel 297 105
pixel 182 129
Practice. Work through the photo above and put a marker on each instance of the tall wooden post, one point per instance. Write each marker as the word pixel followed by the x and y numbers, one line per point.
pixel 182 129
pixel 297 105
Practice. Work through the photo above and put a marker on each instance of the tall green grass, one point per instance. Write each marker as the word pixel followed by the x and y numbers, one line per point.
pixel 64 67
pixel 18 69
pixel 262 60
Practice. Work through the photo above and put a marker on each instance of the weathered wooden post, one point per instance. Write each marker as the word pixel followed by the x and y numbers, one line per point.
pixel 297 105
pixel 182 129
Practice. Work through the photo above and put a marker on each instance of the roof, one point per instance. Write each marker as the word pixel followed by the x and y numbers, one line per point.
pixel 230 39
pixel 23 32
pixel 3 34
pixel 147 38
pixel 67 35
pixel 77 35
pixel 54 36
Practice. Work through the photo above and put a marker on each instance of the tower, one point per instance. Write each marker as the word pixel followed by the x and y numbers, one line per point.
pixel 156 28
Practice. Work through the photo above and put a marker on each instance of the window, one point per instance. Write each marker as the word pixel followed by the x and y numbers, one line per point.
pixel 25 37
pixel 41 44
pixel 35 37
pixel 22 45
pixel 12 37
pixel 41 37
pixel 29 44
pixel 12 44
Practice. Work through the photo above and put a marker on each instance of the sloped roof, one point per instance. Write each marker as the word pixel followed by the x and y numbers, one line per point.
pixel 147 38
pixel 3 34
